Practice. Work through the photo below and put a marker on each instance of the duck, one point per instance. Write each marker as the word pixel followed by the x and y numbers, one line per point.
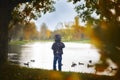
pixel 32 60
pixel 113 69
pixel 80 63
pixel 90 61
pixel 73 64
pixel 27 64
pixel 88 65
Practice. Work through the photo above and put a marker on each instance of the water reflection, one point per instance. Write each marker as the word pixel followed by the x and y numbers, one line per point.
pixel 40 55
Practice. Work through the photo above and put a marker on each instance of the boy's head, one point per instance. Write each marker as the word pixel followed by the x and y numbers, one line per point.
pixel 57 38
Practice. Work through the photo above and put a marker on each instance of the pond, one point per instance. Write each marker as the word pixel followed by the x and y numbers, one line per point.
pixel 40 55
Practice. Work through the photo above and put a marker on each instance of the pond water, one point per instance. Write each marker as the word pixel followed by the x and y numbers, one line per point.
pixel 40 55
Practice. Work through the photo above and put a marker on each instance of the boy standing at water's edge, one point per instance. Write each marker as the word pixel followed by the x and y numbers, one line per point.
pixel 57 48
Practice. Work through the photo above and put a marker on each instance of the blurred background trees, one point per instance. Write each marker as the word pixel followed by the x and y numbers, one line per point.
pixel 30 32
pixel 45 33
pixel 71 31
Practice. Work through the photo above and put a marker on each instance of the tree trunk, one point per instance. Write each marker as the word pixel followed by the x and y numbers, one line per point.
pixel 6 7
pixel 5 16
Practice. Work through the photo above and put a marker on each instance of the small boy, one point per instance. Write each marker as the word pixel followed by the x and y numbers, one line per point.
pixel 57 48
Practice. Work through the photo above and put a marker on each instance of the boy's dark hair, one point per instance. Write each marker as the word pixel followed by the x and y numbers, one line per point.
pixel 57 38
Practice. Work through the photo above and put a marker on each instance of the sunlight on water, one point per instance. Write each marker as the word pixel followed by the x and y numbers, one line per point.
pixel 40 55
pixel 39 52
pixel 82 53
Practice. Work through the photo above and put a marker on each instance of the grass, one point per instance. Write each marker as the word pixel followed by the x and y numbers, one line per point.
pixel 78 41
pixel 25 42
pixel 14 72
pixel 18 42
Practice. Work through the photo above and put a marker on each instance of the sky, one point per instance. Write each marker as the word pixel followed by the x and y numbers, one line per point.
pixel 64 13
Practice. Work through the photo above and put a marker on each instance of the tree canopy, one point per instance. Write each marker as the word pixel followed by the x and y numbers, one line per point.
pixel 25 12
pixel 102 19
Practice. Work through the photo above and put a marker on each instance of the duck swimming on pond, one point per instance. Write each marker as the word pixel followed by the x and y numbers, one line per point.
pixel 32 60
pixel 27 64
pixel 73 64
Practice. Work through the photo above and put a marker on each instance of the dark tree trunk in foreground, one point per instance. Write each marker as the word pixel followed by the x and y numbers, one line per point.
pixel 5 16
pixel 6 7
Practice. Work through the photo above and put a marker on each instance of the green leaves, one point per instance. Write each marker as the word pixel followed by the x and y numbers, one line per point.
pixel 32 10
pixel 104 31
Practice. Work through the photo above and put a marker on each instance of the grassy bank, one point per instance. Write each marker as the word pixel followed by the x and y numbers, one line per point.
pixel 18 42
pixel 13 72
pixel 79 41
pixel 25 42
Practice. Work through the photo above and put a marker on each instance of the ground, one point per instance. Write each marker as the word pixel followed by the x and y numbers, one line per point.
pixel 14 72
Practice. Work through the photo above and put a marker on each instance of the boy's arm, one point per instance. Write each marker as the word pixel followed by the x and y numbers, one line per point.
pixel 62 45
pixel 53 47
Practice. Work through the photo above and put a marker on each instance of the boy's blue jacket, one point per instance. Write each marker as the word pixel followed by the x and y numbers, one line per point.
pixel 57 47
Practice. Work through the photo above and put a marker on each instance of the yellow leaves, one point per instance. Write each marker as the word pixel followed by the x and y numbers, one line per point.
pixel 73 76
pixel 54 75
pixel 45 33
pixel 48 32
pixel 104 25
pixel 96 42
pixel 29 31
pixel 91 33
pixel 78 32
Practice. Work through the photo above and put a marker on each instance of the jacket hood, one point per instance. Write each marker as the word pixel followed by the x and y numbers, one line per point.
pixel 57 38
